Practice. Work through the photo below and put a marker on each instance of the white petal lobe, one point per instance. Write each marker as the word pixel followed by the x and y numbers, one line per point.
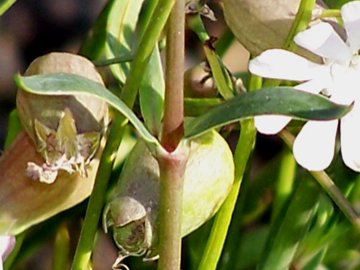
pixel 322 40
pixel 284 65
pixel 271 124
pixel 314 86
pixel 350 14
pixel 314 146
pixel 350 138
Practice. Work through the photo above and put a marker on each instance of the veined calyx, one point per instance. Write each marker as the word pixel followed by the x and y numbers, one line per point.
pixel 66 129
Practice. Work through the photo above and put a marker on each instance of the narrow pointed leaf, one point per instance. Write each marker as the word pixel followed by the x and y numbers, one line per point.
pixel 94 44
pixel 120 29
pixel 198 106
pixel 220 74
pixel 269 101
pixel 152 92
pixel 290 228
pixel 69 84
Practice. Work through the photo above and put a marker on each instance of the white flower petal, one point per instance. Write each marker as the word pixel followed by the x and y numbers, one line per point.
pixel 322 40
pixel 271 124
pixel 284 65
pixel 350 138
pixel 344 94
pixel 350 14
pixel 314 146
pixel 315 86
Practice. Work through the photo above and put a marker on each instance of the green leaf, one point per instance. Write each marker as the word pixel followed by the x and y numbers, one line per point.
pixel 94 43
pixel 120 29
pixel 290 227
pixel 221 75
pixel 5 5
pixel 276 100
pixel 70 84
pixel 197 106
pixel 151 93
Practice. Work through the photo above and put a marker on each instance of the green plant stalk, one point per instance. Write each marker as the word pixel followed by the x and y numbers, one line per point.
pixel 61 248
pixel 222 220
pixel 172 163
pixel 329 186
pixel 230 252
pixel 113 61
pixel 328 13
pixel 301 22
pixel 97 198
pixel 146 16
pixel 224 42
pixel 285 181
pixel 145 48
pixel 220 74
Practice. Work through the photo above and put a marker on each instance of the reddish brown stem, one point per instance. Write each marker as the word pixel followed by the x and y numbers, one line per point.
pixel 173 129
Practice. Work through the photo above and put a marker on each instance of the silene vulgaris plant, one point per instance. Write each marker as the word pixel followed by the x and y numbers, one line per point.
pixel 125 157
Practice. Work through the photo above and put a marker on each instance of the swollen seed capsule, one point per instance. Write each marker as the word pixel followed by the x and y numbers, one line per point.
pixel 132 211
pixel 66 130
pixel 262 25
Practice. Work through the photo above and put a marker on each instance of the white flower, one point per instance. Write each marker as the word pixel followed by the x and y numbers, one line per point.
pixel 338 77
pixel 7 243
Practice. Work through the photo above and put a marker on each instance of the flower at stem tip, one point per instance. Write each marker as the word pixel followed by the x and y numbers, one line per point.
pixel 338 78
pixel 7 243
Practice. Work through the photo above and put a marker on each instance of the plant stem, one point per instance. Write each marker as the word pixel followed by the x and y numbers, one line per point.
pixel 329 186
pixel 328 13
pixel 301 22
pixel 172 163
pixel 173 129
pixel 145 48
pixel 129 93
pixel 222 221
pixel 172 169
pixel 97 198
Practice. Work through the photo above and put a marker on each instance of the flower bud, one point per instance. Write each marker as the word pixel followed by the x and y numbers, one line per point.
pixel 132 211
pixel 66 130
